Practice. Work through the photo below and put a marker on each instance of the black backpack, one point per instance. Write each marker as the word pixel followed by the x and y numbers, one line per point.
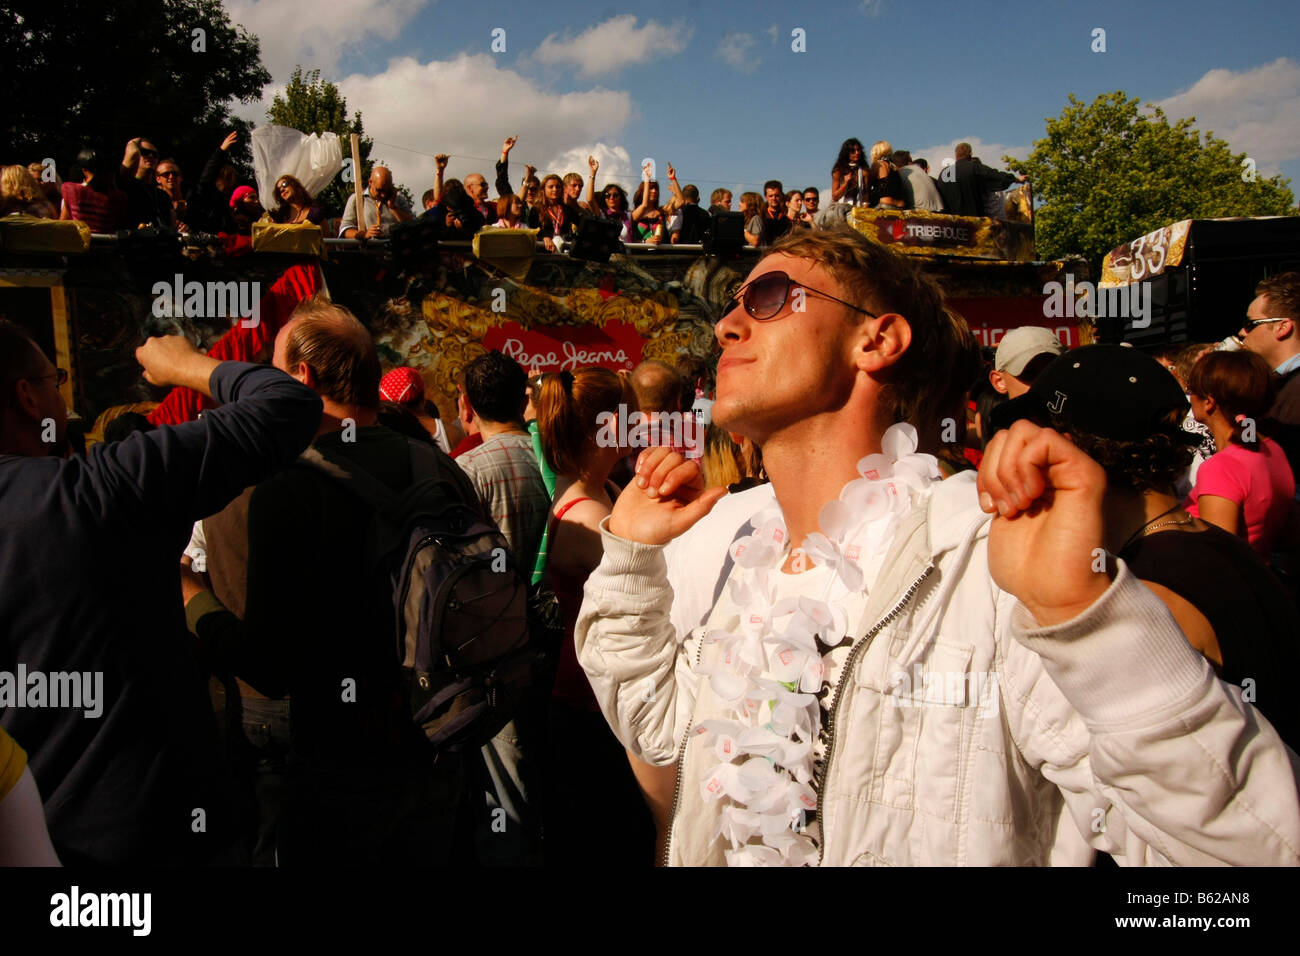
pixel 460 603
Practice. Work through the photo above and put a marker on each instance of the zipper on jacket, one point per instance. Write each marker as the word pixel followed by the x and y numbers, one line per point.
pixel 681 762
pixel 849 664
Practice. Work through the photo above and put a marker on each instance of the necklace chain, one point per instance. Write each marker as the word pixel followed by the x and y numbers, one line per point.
pixel 1157 523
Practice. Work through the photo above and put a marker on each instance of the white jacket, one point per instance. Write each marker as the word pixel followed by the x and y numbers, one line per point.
pixel 1111 719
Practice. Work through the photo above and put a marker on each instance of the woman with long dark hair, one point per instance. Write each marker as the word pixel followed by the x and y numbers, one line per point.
pixel 648 219
pixel 295 204
pixel 850 175
pixel 613 205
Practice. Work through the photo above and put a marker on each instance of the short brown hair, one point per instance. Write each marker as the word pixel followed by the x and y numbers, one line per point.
pixel 569 413
pixel 1240 382
pixel 715 197
pixel 943 360
pixel 338 349
pixel 19 356
pixel 1283 291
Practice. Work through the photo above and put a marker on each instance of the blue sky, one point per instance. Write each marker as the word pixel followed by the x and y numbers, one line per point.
pixel 715 88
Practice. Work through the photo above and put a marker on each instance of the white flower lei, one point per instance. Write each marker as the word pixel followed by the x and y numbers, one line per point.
pixel 770 668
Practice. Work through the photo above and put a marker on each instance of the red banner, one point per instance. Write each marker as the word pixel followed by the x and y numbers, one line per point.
pixel 615 345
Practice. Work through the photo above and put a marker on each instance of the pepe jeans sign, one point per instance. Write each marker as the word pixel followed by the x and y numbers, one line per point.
pixel 615 346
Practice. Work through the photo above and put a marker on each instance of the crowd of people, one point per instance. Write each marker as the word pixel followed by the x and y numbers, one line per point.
pixel 144 191
pixel 756 591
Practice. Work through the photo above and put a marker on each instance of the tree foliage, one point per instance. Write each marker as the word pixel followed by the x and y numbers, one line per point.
pixel 1109 172
pixel 98 75
pixel 312 105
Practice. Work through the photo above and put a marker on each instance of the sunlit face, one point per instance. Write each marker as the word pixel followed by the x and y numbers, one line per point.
pixel 811 201
pixel 148 156
pixel 611 200
pixel 759 390
pixel 774 199
pixel 725 201
pixel 476 186
pixel 552 190
pixel 284 189
pixel 1263 339
pixel 169 177
pixel 572 189
pixel 531 192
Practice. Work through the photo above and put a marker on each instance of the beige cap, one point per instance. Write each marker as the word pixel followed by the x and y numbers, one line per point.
pixel 1021 346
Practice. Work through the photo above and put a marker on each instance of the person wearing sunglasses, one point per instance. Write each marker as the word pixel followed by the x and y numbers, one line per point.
pixel 1272 330
pixel 293 204
pixel 803 705
pixel 147 204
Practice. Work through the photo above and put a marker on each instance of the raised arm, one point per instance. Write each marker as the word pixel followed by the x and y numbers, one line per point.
pixel 677 201
pixel 593 164
pixel 503 167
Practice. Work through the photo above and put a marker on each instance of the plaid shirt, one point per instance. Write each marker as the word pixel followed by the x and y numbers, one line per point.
pixel 509 484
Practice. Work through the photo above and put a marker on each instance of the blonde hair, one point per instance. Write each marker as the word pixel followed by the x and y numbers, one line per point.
pixel 17 183
pixel 881 149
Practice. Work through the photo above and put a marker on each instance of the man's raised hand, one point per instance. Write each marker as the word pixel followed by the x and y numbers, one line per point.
pixel 664 500
pixel 1046 539
pixel 509 144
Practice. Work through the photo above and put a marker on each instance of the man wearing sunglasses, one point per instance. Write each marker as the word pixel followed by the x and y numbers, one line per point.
pixel 147 205
pixel 897 670
pixel 1272 329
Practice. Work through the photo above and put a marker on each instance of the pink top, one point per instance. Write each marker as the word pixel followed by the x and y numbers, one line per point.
pixel 1259 481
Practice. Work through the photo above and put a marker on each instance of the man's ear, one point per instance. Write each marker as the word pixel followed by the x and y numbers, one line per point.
pixel 997 381
pixel 892 339
pixel 23 399
pixel 304 374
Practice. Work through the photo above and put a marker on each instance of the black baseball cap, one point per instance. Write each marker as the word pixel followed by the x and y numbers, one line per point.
pixel 1104 390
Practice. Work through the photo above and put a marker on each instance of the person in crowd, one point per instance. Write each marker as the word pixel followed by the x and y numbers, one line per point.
pixel 428 200
pixel 555 218
pixel 404 386
pixel 1124 413
pixel 466 424
pixel 851 174
pixel 1022 354
pixel 573 192
pixel 1247 488
pixel 751 205
pixel 987 400
pixel 919 190
pixel 966 189
pixel 923 163
pixel 734 464
pixel 503 168
pixel 720 200
pixel 618 829
pixel 1083 657
pixel 152 734
pixel 510 213
pixel 456 213
pixel 648 218
pixel 50 184
pixel 795 212
pixel 383 208
pixel 613 205
pixel 509 483
pixel 775 221
pixel 812 199
pixel 477 188
pixel 295 204
pixel 208 208
pixel 279 556
pixel 147 205
pixel 1179 360
pixel 1272 331
pixel 24 837
pixel 532 193
pixel 21 194
pixel 245 209
pixel 885 190
pixel 690 223
pixel 95 200
pixel 169 179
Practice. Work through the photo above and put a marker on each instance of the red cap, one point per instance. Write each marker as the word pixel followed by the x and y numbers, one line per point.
pixel 239 193
pixel 402 385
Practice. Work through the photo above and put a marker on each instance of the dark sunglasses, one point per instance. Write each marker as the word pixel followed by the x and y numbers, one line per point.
pixel 766 296
pixel 1251 325
pixel 151 153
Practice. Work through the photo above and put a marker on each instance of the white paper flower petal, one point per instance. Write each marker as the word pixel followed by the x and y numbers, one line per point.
pixel 899 440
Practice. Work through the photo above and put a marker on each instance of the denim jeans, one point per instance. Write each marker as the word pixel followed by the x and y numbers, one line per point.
pixel 266 728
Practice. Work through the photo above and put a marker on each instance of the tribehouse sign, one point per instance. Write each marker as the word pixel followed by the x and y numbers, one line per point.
pixel 615 345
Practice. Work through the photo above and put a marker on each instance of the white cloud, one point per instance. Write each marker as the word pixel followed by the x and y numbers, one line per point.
pixel 990 154
pixel 734 51
pixel 615 164
pixel 773 32
pixel 316 34
pixel 466 106
pixel 872 8
pixel 1254 110
pixel 617 43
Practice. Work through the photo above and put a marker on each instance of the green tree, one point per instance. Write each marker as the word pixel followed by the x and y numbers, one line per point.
pixel 1109 172
pixel 99 76
pixel 312 105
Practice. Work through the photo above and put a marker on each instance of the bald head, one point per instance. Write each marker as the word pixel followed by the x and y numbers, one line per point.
pixel 658 387
pixel 380 178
